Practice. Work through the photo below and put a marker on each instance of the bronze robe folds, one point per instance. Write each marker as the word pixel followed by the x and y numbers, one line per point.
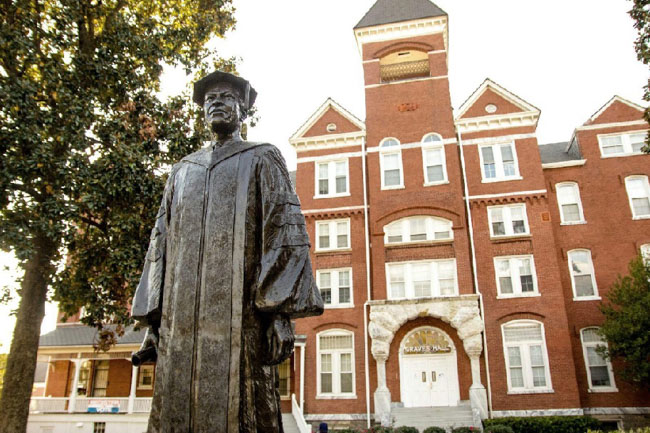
pixel 229 250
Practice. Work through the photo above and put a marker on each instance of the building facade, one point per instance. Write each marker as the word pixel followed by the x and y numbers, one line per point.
pixel 461 262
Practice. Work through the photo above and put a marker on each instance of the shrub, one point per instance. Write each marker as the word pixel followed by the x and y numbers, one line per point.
pixel 498 428
pixel 464 430
pixel 380 429
pixel 406 429
pixel 637 430
pixel 434 430
pixel 348 430
pixel 547 424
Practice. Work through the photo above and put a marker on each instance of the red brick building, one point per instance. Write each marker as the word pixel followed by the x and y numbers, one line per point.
pixel 462 263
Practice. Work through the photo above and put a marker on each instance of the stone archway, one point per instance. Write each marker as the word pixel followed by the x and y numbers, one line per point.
pixel 461 312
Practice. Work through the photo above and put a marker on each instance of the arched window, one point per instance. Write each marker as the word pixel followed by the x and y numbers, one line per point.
pixel 404 65
pixel 335 363
pixel 524 347
pixel 583 277
pixel 599 370
pixel 568 200
pixel 418 229
pixel 433 158
pixel 638 193
pixel 390 160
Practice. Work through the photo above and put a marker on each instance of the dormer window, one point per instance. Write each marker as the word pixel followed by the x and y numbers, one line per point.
pixel 404 65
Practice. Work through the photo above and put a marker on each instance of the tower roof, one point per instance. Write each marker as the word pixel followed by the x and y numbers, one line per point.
pixel 393 11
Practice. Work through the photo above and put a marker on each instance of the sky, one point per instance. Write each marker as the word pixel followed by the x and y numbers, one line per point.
pixel 566 57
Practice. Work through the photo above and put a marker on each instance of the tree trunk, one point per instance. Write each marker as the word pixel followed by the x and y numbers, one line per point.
pixel 21 363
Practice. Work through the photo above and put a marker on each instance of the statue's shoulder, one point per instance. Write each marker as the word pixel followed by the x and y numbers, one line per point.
pixel 201 156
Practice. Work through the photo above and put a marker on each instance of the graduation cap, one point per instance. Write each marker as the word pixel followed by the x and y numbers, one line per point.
pixel 206 83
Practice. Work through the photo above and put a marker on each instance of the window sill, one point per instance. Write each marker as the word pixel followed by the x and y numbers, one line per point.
pixel 285 397
pixel 509 238
pixel 388 188
pixel 622 155
pixel 501 179
pixel 532 295
pixel 442 182
pixel 336 397
pixel 602 390
pixel 419 243
pixel 573 223
pixel 338 307
pixel 144 388
pixel 334 251
pixel 347 194
pixel 414 298
pixel 587 298
pixel 530 391
pixel 641 217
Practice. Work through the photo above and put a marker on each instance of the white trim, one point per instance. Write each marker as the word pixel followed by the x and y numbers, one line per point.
pixel 331 178
pixel 401 30
pixel 408 278
pixel 617 410
pixel 501 91
pixel 335 363
pixel 646 187
pixel 414 145
pixel 333 141
pixel 515 277
pixel 578 202
pixel 332 209
pixel 625 143
pixel 407 80
pixel 507 221
pixel 611 125
pixel 526 367
pixel 335 286
pixel 306 159
pixel 615 98
pixel 141 370
pixel 595 295
pixel 608 364
pixel 562 164
pixel 500 139
pixel 392 150
pixel 333 234
pixel 538 412
pixel 498 162
pixel 370 61
pixel 508 194
pixel 443 159
pixel 329 103
pixel 430 221
pixel 502 121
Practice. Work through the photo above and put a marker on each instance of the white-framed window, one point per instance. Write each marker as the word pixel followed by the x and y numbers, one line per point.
pixel 390 159
pixel 508 220
pixel 600 375
pixel 332 178
pixel 333 235
pixel 618 144
pixel 526 358
pixel 638 193
pixel 335 287
pixel 515 276
pixel 145 376
pixel 433 159
pixel 568 200
pixel 583 279
pixel 418 229
pixel 335 363
pixel 284 378
pixel 499 162
pixel 421 279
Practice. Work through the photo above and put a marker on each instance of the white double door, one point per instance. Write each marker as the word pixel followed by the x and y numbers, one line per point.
pixel 429 380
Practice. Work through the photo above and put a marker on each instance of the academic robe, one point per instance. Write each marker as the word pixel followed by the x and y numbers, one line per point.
pixel 228 252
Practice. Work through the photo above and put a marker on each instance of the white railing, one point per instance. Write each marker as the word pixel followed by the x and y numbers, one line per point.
pixel 303 427
pixel 102 404
pixel 142 404
pixel 48 404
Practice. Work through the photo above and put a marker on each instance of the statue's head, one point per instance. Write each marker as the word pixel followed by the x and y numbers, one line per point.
pixel 225 99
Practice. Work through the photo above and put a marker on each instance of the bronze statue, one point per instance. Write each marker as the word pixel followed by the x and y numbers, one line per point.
pixel 227 268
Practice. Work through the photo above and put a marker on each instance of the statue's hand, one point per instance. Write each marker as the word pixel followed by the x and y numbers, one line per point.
pixel 148 350
pixel 150 340
pixel 279 337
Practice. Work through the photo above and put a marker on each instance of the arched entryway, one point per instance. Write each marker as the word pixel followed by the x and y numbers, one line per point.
pixel 428 369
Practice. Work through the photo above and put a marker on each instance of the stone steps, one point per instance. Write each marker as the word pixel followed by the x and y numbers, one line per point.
pixel 423 417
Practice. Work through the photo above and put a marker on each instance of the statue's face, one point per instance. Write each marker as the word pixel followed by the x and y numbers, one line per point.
pixel 221 107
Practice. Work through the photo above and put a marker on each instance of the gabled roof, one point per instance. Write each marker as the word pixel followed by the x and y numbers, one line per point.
pixel 393 11
pixel 615 99
pixel 329 104
pixel 489 85
pixel 81 335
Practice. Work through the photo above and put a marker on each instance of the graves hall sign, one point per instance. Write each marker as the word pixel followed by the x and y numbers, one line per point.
pixel 426 341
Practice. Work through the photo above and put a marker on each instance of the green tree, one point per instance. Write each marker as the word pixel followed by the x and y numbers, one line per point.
pixel 84 139
pixel 627 323
pixel 3 366
pixel 640 13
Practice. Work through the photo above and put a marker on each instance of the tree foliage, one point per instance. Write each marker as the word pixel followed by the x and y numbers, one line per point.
pixel 84 139
pixel 640 13
pixel 627 323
